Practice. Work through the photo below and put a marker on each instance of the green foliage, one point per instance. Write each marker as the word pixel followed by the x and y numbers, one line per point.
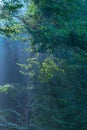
pixel 49 69
pixel 51 27
pixel 5 88
pixel 56 95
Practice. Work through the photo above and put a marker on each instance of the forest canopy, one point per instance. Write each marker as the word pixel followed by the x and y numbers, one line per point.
pixel 55 96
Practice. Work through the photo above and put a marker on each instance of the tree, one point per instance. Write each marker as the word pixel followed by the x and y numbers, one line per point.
pixel 57 65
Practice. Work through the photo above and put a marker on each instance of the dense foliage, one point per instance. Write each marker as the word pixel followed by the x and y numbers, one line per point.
pixel 55 96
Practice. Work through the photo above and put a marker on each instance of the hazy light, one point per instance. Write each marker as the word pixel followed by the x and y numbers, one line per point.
pixel 1 3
